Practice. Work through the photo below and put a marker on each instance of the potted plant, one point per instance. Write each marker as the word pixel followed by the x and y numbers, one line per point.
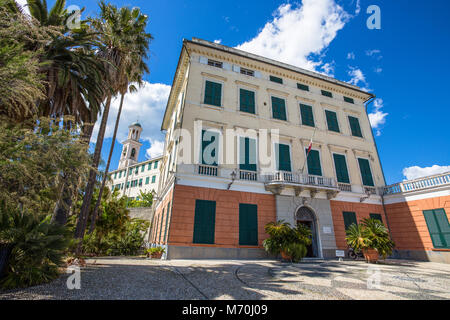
pixel 289 242
pixel 155 252
pixel 372 238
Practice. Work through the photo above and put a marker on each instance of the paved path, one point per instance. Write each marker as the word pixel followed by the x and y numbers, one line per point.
pixel 132 278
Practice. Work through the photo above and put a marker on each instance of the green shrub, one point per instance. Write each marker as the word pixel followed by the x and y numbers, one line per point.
pixel 38 248
pixel 297 251
pixel 155 250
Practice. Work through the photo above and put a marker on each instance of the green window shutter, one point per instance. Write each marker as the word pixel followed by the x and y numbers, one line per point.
pixel 349 100
pixel 376 216
pixel 327 93
pixel 341 168
pixel 366 173
pixel 120 174
pixel 147 180
pixel 438 227
pixel 156 165
pixel 204 221
pixel 349 219
pixel 212 138
pixel 283 157
pixel 307 115
pixel 140 182
pixel 143 168
pixel 302 87
pixel 248 224
pixel 149 166
pixel 276 79
pixel 115 175
pixel 313 161
pixel 153 179
pixel 278 108
pixel 213 93
pixel 247 101
pixel 332 122
pixel 354 126
pixel 247 154
pixel 136 171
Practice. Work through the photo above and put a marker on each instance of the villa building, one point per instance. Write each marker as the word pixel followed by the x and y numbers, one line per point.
pixel 250 140
pixel 131 176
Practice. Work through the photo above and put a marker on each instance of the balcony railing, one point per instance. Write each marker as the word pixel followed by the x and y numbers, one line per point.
pixel 207 170
pixel 248 175
pixel 370 190
pixel 419 184
pixel 345 187
pixel 301 179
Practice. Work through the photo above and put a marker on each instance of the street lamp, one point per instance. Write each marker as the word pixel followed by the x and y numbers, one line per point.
pixel 233 177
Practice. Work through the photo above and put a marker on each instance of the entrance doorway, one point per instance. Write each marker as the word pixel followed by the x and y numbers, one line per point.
pixel 306 217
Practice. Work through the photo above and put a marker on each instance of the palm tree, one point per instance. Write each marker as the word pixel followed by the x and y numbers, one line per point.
pixel 125 45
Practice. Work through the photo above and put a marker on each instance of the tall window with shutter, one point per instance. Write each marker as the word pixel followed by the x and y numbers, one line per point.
pixel 204 221
pixel 307 115
pixel 213 93
pixel 313 161
pixel 355 127
pixel 247 154
pixel 332 121
pixel 349 219
pixel 279 108
pixel 438 227
pixel 283 156
pixel 248 224
pixel 210 147
pixel 247 101
pixel 366 173
pixel 341 168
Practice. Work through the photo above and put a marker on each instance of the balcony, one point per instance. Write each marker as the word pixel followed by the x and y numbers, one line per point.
pixel 279 180
pixel 439 180
pixel 206 170
pixel 248 175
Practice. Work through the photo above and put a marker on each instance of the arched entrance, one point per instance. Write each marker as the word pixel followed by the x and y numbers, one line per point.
pixel 307 217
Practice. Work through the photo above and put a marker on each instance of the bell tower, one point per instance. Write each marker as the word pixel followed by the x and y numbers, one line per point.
pixel 131 146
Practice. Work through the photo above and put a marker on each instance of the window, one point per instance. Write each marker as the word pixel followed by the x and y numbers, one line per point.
pixel 213 93
pixel 366 173
pixel 156 165
pixel 136 171
pixel 204 221
pixel 140 182
pixel 332 121
pixel 248 224
pixel 143 168
pixel 307 115
pixel 128 184
pixel 215 63
pixel 313 161
pixel 327 93
pixel 153 179
pixel 278 108
pixel 354 126
pixel 341 168
pixel 438 227
pixel 120 174
pixel 147 180
pixel 349 100
pixel 130 171
pixel 247 101
pixel 210 147
pixel 349 219
pixel 247 154
pixel 303 87
pixel 149 166
pixel 276 79
pixel 376 216
pixel 115 175
pixel 283 157
pixel 247 72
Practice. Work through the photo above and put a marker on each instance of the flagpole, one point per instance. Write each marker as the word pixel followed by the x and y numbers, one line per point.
pixel 307 154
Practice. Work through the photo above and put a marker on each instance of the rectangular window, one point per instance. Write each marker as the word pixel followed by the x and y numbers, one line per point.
pixel 136 171
pixel 349 219
pixel 303 87
pixel 215 63
pixel 332 121
pixel 354 126
pixel 115 175
pixel 278 108
pixel 438 227
pixel 128 184
pixel 210 147
pixel 349 100
pixel 247 72
pixel 307 115
pixel 376 216
pixel 283 156
pixel 213 93
pixel 248 224
pixel 149 166
pixel 143 168
pixel 204 221
pixel 247 101
pixel 366 173
pixel 276 79
pixel 341 168
pixel 153 179
pixel 147 180
pixel 156 165
pixel 140 182
pixel 120 174
pixel 327 93
pixel 313 161
pixel 247 154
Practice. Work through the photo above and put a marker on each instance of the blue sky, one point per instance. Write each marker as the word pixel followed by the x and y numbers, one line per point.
pixel 405 64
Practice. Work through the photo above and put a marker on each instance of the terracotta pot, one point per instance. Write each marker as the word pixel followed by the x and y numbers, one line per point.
pixel 156 255
pixel 285 256
pixel 371 255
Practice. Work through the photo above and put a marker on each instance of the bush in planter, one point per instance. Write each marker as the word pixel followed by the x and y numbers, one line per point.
pixel 290 242
pixel 371 234
pixel 155 252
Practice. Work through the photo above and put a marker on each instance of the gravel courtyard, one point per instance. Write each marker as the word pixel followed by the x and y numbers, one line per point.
pixel 134 278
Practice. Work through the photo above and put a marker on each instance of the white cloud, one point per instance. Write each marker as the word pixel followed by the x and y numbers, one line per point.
pixel 357 76
pixel 375 53
pixel 156 149
pixel 351 56
pixel 377 117
pixel 218 41
pixel 298 33
pixel 415 172
pixel 146 106
pixel 378 70
pixel 24 5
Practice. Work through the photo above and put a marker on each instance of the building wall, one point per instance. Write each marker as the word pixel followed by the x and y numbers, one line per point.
pixel 159 234
pixel 362 210
pixel 409 229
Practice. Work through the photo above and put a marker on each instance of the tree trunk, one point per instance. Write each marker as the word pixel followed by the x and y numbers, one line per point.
pixel 111 150
pixel 84 211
